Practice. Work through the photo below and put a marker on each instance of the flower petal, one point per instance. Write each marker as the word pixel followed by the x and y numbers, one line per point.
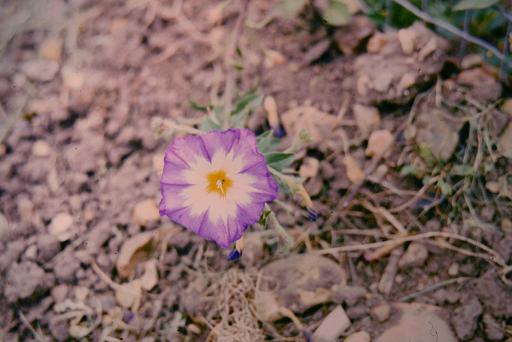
pixel 184 185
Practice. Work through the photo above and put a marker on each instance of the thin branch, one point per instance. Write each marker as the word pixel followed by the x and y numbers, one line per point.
pixel 504 13
pixel 24 320
pixel 452 29
pixel 434 287
pixel 492 256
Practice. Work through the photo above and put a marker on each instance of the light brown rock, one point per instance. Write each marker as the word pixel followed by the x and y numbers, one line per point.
pixel 41 70
pixel 397 63
pixel 332 326
pixel 367 118
pixel 354 172
pixel 436 131
pixel 309 167
pixel 41 149
pixel 319 125
pixel 417 322
pixel 72 77
pixel 381 312
pixel 379 143
pixel 51 49
pixel 145 212
pixel 60 226
pixel 297 283
pixel 415 255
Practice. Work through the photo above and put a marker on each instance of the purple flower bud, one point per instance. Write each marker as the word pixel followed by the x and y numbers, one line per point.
pixel 312 215
pixel 234 255
pixel 279 131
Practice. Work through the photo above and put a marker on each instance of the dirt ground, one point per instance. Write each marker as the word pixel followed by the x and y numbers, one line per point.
pixel 408 147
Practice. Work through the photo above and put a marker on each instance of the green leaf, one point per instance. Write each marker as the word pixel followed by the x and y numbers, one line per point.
pixel 239 120
pixel 445 188
pixel 336 13
pixel 264 217
pixel 279 160
pixel 250 100
pixel 237 66
pixel 199 107
pixel 243 108
pixel 464 5
pixel 427 155
pixel 462 170
pixel 267 142
pixel 208 125
pixel 288 8
pixel 408 170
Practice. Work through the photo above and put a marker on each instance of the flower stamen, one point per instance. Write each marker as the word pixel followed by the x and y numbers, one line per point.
pixel 219 182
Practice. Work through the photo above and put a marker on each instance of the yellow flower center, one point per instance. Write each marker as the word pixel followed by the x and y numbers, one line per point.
pixel 219 182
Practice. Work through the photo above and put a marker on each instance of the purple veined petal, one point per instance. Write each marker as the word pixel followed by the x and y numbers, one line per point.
pixel 173 173
pixel 265 183
pixel 234 152
pixel 184 149
pixel 214 141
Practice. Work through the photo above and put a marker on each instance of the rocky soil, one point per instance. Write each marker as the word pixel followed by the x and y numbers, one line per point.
pixel 407 146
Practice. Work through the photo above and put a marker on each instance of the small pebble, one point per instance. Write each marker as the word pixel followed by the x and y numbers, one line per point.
pixel 25 208
pixel 381 312
pixel 357 312
pixel 31 252
pixel 145 211
pixel 51 49
pixel 309 167
pixel 60 225
pixel 453 270
pixel 59 292
pixel 41 70
pixel 194 329
pixel 48 246
pixel 332 326
pixel 415 255
pixel 66 267
pixel 41 149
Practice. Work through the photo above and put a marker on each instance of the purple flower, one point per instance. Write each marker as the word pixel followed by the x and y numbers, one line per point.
pixel 216 184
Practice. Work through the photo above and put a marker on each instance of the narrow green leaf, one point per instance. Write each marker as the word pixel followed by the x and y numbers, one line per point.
pixel 239 120
pixel 279 160
pixel 250 99
pixel 267 142
pixel 199 107
pixel 208 125
pixel 264 217
pixel 408 170
pixel 464 5
pixel 336 14
pixel 237 66
pixel 462 170
pixel 445 188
